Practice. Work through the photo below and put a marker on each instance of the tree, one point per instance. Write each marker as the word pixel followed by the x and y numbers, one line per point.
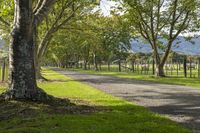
pixel 22 84
pixel 64 13
pixel 155 19
pixel 79 41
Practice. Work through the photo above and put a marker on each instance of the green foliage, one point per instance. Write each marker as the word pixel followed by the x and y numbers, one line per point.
pixel 80 41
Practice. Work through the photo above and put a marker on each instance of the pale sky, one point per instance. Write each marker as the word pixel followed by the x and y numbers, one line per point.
pixel 106 6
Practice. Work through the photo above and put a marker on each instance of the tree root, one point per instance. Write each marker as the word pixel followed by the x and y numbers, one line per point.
pixel 38 96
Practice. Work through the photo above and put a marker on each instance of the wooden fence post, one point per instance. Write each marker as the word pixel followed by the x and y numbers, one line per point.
pixel 153 67
pixel 185 67
pixel 190 68
pixel 177 68
pixel 198 67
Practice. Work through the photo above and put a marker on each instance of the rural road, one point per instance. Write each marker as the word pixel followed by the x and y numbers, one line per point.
pixel 179 103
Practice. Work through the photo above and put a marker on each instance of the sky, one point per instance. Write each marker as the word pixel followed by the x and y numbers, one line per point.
pixel 106 6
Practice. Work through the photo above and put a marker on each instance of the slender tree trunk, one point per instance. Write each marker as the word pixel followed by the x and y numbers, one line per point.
pixel 133 66
pixel 85 65
pixel 108 65
pixel 120 69
pixel 95 62
pixel 153 66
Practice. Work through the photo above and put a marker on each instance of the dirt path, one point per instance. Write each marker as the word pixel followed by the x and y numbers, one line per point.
pixel 179 103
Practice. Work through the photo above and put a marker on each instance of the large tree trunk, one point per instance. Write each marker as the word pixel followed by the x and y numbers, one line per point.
pixel 22 84
pixel 21 59
pixel 160 70
pixel 159 66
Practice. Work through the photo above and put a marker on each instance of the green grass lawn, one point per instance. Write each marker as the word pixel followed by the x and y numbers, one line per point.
pixel 115 115
pixel 193 82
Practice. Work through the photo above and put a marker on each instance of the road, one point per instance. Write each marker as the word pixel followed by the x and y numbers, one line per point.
pixel 179 103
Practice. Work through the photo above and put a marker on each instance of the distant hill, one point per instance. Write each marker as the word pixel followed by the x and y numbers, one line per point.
pixel 180 45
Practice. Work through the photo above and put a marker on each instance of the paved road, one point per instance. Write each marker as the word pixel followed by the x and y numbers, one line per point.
pixel 179 103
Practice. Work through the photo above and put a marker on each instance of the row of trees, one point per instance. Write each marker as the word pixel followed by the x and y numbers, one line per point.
pixel 92 39
pixel 35 22
pixel 149 20
pixel 74 30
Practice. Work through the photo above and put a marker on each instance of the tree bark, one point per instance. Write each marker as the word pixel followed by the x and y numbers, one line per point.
pixel 160 70
pixel 21 59
pixel 22 83
pixel 159 66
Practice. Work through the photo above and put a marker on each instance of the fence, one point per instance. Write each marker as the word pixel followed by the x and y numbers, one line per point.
pixel 175 68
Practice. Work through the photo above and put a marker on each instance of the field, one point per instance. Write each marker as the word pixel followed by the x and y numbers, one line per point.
pixel 193 82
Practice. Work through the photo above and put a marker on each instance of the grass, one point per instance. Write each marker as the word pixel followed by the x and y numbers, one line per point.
pixel 116 116
pixel 6 73
pixel 193 82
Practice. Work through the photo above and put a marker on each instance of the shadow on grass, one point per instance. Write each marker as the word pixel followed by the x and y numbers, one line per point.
pixel 20 108
pixel 19 116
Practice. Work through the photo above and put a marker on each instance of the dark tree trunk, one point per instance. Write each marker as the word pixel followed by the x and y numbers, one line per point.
pixel 153 67
pixel 22 83
pixel 198 67
pixel 190 68
pixel 85 65
pixel 133 66
pixel 108 65
pixel 95 62
pixel 120 67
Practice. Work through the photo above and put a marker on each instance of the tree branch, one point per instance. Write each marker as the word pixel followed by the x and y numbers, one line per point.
pixel 42 10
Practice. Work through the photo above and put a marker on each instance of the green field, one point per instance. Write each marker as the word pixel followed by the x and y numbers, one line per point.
pixel 113 115
pixel 193 82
